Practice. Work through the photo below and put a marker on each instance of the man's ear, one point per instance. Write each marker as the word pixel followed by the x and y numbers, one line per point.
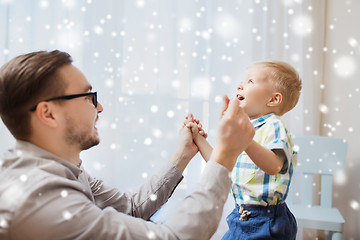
pixel 45 114
pixel 275 100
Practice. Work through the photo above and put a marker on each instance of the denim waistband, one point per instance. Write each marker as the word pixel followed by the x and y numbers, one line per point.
pixel 257 210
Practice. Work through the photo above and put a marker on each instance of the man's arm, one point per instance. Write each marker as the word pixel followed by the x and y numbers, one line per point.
pixel 151 195
pixel 77 217
pixel 143 202
pixel 186 150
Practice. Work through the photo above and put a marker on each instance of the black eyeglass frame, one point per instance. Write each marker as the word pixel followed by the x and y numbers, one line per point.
pixel 68 97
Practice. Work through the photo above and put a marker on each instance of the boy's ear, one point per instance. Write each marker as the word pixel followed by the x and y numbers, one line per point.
pixel 275 100
pixel 44 113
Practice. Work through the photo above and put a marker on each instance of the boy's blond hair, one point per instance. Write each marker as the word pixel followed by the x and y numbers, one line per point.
pixel 286 80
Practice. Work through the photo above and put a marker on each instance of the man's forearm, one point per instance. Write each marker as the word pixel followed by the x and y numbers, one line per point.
pixel 180 160
pixel 143 202
pixel 199 215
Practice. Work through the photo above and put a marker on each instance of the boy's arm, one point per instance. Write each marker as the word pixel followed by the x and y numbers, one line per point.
pixel 201 142
pixel 267 160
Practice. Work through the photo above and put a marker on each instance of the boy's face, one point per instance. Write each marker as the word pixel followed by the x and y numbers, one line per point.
pixel 255 92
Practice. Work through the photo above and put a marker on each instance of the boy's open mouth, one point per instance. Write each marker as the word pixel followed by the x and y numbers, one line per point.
pixel 240 97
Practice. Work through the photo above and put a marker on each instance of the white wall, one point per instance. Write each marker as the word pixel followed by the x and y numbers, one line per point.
pixel 342 97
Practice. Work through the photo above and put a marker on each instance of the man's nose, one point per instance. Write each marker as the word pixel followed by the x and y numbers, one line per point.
pixel 99 107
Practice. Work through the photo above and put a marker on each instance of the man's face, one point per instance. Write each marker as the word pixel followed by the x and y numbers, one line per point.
pixel 80 114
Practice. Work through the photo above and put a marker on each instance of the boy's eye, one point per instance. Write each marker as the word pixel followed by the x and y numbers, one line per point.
pixel 250 81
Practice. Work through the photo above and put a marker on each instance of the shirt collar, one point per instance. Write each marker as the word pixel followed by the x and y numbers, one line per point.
pixel 28 149
pixel 262 120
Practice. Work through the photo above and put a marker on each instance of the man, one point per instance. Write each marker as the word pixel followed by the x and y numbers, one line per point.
pixel 47 105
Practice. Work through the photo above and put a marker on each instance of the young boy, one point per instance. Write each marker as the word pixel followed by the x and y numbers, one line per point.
pixel 262 174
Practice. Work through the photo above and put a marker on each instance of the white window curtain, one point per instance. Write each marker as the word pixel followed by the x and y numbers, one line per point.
pixel 153 61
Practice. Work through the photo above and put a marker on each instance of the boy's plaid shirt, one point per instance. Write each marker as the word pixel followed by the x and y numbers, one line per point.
pixel 251 185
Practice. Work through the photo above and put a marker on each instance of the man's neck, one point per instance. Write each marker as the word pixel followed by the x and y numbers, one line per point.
pixel 62 150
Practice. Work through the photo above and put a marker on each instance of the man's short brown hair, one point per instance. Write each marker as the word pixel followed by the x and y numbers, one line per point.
pixel 26 80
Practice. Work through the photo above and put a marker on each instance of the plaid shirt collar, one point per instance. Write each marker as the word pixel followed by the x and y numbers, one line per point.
pixel 262 120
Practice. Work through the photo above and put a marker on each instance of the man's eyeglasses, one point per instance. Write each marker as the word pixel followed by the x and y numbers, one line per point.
pixel 68 97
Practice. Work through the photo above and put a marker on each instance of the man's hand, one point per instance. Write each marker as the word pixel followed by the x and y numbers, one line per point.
pixel 234 133
pixel 195 125
pixel 186 148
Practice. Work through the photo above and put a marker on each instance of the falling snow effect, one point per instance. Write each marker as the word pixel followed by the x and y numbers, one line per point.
pixel 226 25
pixel 4 223
pixel 151 67
pixel 23 178
pixel 355 205
pixel 64 193
pixel 13 196
pixel 153 197
pixel 67 215
pixel 302 25
pixel 151 235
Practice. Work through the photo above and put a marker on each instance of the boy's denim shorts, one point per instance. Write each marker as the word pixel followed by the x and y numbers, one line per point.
pixel 270 222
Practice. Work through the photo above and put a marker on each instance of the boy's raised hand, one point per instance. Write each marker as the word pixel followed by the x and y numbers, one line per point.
pixel 195 125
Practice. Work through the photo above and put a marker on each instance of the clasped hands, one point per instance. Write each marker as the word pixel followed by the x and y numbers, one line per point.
pixel 234 132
